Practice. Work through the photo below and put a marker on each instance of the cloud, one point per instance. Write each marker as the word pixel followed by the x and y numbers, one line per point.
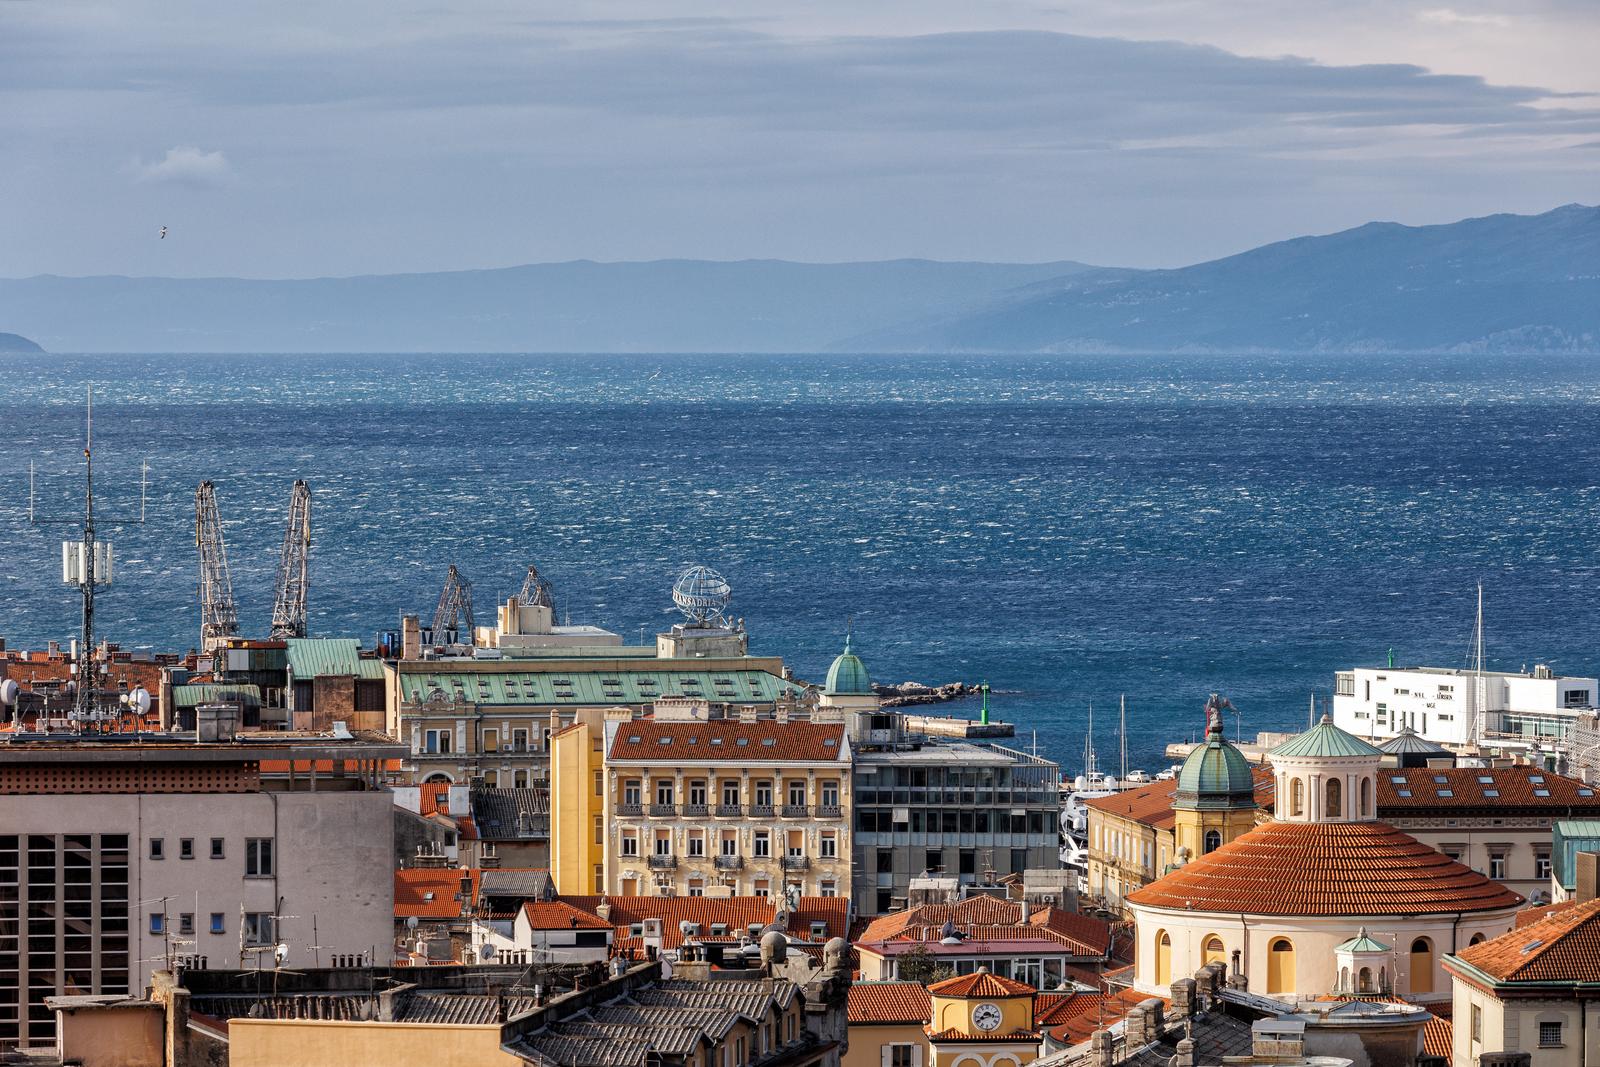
pixel 1444 16
pixel 186 165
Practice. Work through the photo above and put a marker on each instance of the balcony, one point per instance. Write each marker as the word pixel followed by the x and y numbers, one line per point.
pixel 730 863
pixel 761 811
pixel 663 863
pixel 626 808
pixel 795 811
pixel 796 863
pixel 659 810
pixel 728 811
pixel 829 811
pixel 696 811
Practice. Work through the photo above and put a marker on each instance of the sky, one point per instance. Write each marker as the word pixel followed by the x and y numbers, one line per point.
pixel 304 139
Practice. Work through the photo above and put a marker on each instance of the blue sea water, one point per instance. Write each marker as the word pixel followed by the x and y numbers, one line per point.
pixel 1070 529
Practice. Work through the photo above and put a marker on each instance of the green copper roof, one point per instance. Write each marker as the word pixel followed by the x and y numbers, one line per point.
pixel 317 657
pixel 188 696
pixel 848 675
pixel 1362 943
pixel 1216 775
pixel 1325 740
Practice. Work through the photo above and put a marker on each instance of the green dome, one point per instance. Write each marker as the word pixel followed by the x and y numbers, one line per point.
pixel 1216 776
pixel 848 675
pixel 1326 741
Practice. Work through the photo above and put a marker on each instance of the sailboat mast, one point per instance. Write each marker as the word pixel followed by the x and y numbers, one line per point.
pixel 1479 690
pixel 1122 731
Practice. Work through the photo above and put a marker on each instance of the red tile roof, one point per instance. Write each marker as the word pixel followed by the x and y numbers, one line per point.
pixel 889 1002
pixel 1070 1017
pixel 736 913
pixel 1284 868
pixel 1437 1038
pixel 986 918
pixel 1530 915
pixel 1152 804
pixel 981 984
pixel 559 915
pixel 763 741
pixel 432 892
pixel 435 797
pixel 1465 787
pixel 1562 947
pixel 953 1034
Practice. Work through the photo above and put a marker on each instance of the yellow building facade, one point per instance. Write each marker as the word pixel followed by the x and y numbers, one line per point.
pixel 982 1020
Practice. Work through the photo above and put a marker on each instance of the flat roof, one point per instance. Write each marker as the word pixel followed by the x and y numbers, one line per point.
pixel 941 751
pixel 164 748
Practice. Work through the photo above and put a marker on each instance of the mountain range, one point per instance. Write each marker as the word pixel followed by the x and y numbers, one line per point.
pixel 1502 283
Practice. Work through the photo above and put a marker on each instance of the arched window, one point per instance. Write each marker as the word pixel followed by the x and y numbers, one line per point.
pixel 1476 939
pixel 1364 981
pixel 1213 840
pixel 1421 966
pixel 1212 951
pixel 1280 966
pixel 1335 789
pixel 1344 979
pixel 1163 958
pixel 1366 797
pixel 1297 797
pixel 442 779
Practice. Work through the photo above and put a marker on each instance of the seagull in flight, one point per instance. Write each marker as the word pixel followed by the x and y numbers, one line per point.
pixel 163 236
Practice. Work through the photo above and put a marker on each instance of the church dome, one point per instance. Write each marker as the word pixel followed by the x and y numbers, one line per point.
pixel 848 675
pixel 1216 775
pixel 1325 741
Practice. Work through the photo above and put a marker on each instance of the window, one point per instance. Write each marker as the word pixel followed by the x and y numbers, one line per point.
pixel 830 794
pixel 762 887
pixel 158 924
pixel 218 925
pixel 1213 841
pixel 491 740
pixel 1335 798
pixel 730 843
pixel 797 795
pixel 258 857
pixel 216 848
pixel 664 793
pixel 158 848
pixel 697 793
pixel 631 792
pixel 1297 797
pixel 258 928
pixel 663 845
pixel 697 843
pixel 730 794
pixel 1477 1023
pixel 1541 865
pixel 599 829
pixel 186 922
pixel 902 1055
pixel 764 794
pixel 828 845
pixel 828 888
pixel 437 741
pixel 519 740
pixel 599 783
pixel 763 844
pixel 630 844
pixel 186 848
pixel 1497 866
pixel 1549 1035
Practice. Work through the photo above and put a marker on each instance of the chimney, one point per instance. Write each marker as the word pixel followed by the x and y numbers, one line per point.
pixel 410 637
pixel 1586 874
pixel 1185 998
pixel 1100 1050
pixel 1022 906
pixel 604 910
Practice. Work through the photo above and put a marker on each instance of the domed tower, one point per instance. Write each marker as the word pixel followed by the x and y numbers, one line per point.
pixel 1326 775
pixel 848 686
pixel 1215 800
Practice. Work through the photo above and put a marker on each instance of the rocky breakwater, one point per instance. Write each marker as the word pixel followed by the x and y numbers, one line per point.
pixel 908 694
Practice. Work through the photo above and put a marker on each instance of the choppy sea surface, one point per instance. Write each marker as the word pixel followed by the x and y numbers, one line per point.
pixel 1071 529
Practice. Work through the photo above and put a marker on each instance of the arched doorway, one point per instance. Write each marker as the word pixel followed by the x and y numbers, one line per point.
pixel 1163 958
pixel 1280 966
pixel 1421 966
pixel 1211 950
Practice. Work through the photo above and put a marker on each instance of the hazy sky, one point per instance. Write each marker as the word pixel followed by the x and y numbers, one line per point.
pixel 297 139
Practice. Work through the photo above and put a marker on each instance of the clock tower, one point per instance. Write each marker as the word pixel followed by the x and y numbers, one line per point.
pixel 982 1020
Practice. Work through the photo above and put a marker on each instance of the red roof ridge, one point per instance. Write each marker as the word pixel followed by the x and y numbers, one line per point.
pixel 1564 946
pixel 981 983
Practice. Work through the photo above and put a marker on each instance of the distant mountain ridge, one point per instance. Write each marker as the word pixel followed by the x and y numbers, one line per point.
pixel 582 306
pixel 10 342
pixel 1502 283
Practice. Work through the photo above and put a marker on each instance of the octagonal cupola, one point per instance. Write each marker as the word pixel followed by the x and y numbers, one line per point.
pixel 1325 775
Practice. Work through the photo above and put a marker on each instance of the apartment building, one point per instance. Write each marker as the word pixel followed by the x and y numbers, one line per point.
pixel 1460 707
pixel 121 854
pixel 699 799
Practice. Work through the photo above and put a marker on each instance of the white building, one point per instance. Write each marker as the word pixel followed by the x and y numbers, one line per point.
pixel 1458 706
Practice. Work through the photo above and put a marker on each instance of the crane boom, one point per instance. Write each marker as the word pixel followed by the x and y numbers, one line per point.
pixel 219 618
pixel 536 589
pixel 289 605
pixel 455 605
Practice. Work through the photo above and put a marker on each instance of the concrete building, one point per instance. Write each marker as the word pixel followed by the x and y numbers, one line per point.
pixel 965 809
pixel 1531 991
pixel 329 681
pixel 1458 707
pixel 121 852
pixel 1282 903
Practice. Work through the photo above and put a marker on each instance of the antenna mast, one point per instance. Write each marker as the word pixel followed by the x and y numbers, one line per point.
pixel 83 699
pixel 289 606
pixel 219 619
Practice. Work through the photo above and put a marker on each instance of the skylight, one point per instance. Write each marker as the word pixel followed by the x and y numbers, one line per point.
pixel 1484 779
pixel 1403 792
pixel 769 741
pixel 1447 792
pixel 1491 792
pixel 1541 792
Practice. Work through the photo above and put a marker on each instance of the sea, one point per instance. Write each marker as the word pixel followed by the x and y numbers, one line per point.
pixel 1074 530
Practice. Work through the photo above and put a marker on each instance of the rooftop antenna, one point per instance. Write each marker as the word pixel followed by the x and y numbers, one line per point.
pixel 86 563
pixel 1311 712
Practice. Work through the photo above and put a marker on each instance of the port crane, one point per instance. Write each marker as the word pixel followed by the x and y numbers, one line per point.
pixel 219 618
pixel 455 605
pixel 289 605
pixel 536 589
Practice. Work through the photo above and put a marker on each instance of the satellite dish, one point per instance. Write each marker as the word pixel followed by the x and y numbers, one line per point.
pixel 487 952
pixel 411 922
pixel 8 692
pixel 701 594
pixel 281 953
pixel 139 700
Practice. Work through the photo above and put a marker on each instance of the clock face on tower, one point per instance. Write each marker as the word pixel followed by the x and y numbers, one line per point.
pixel 986 1017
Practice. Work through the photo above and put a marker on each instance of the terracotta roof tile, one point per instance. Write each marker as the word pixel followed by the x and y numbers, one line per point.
pixel 763 741
pixel 1564 946
pixel 1437 1038
pixel 1465 787
pixel 433 892
pixel 889 1002
pixel 953 1034
pixel 1284 868
pixel 986 918
pixel 738 914
pixel 559 915
pixel 980 984
pixel 1152 804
